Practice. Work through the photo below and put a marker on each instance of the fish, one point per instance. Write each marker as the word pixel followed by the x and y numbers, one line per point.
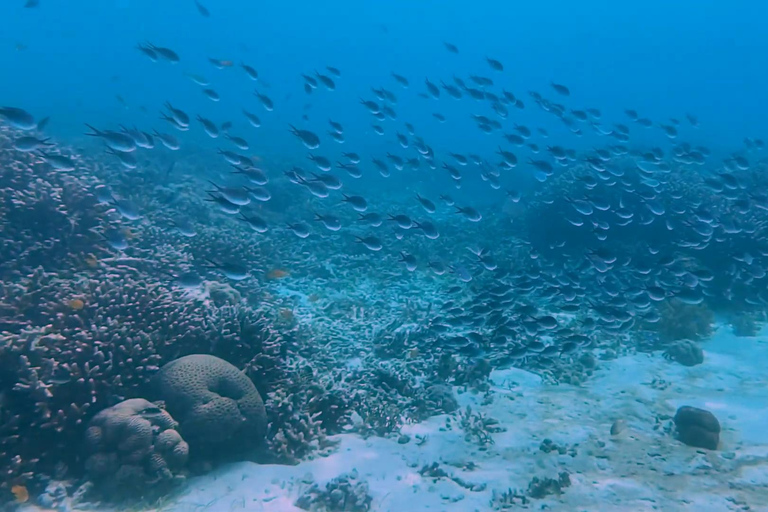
pixel 116 141
pixel 209 127
pixel 494 64
pixel 253 119
pixel 400 79
pixel 371 219
pixel 371 243
pixel 250 71
pixel 331 222
pixel 358 203
pixel 469 213
pixel 452 48
pixel 231 270
pixel 18 118
pixel 127 209
pixel 165 53
pixel 560 89
pixel 308 138
pixel 255 222
pixel 240 142
pixel 204 12
pixel 266 101
pixel 326 81
pixel 428 205
pixel 198 79
pixel 167 140
pixel 20 492
pixel 236 195
pixel 432 89
pixel 30 144
pixel 58 162
pixel 409 260
pixel 220 63
pixel 211 94
pixel 126 159
pixel 189 280
pixel 299 229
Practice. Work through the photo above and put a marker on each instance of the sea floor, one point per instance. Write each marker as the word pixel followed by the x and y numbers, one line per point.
pixel 641 468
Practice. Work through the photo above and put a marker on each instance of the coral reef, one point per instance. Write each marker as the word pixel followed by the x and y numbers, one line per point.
pixel 67 364
pixel 49 217
pixel 84 326
pixel 133 447
pixel 217 406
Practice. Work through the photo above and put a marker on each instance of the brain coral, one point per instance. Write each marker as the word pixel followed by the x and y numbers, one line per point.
pixel 217 406
pixel 133 445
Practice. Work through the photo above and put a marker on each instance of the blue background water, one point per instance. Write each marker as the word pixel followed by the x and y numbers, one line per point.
pixel 662 58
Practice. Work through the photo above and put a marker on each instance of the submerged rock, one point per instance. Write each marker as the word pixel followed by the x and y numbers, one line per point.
pixel 697 427
pixel 618 427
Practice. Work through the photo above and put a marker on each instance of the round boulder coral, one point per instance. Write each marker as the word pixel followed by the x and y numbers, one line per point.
pixel 685 352
pixel 217 406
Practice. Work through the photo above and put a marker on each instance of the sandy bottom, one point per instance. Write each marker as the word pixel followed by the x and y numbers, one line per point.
pixel 641 468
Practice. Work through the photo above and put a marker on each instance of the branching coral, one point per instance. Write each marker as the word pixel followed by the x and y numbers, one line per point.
pixel 345 493
pixel 477 427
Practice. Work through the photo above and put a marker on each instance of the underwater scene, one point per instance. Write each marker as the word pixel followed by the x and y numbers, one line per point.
pixel 383 256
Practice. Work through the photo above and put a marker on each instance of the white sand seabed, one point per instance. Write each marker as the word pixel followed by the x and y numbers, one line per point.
pixel 640 469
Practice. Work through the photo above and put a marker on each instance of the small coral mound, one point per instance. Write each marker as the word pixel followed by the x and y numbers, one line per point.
pixel 685 352
pixel 684 321
pixel 217 406
pixel 541 488
pixel 133 446
pixel 441 399
pixel 344 493
pixel 697 427
pixel 745 324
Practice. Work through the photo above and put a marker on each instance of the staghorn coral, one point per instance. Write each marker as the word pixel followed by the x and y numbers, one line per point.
pixel 477 427
pixel 133 448
pixel 293 433
pixel 217 406
pixel 47 216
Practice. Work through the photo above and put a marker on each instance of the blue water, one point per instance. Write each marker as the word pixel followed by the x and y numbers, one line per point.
pixel 77 62
pixel 660 59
